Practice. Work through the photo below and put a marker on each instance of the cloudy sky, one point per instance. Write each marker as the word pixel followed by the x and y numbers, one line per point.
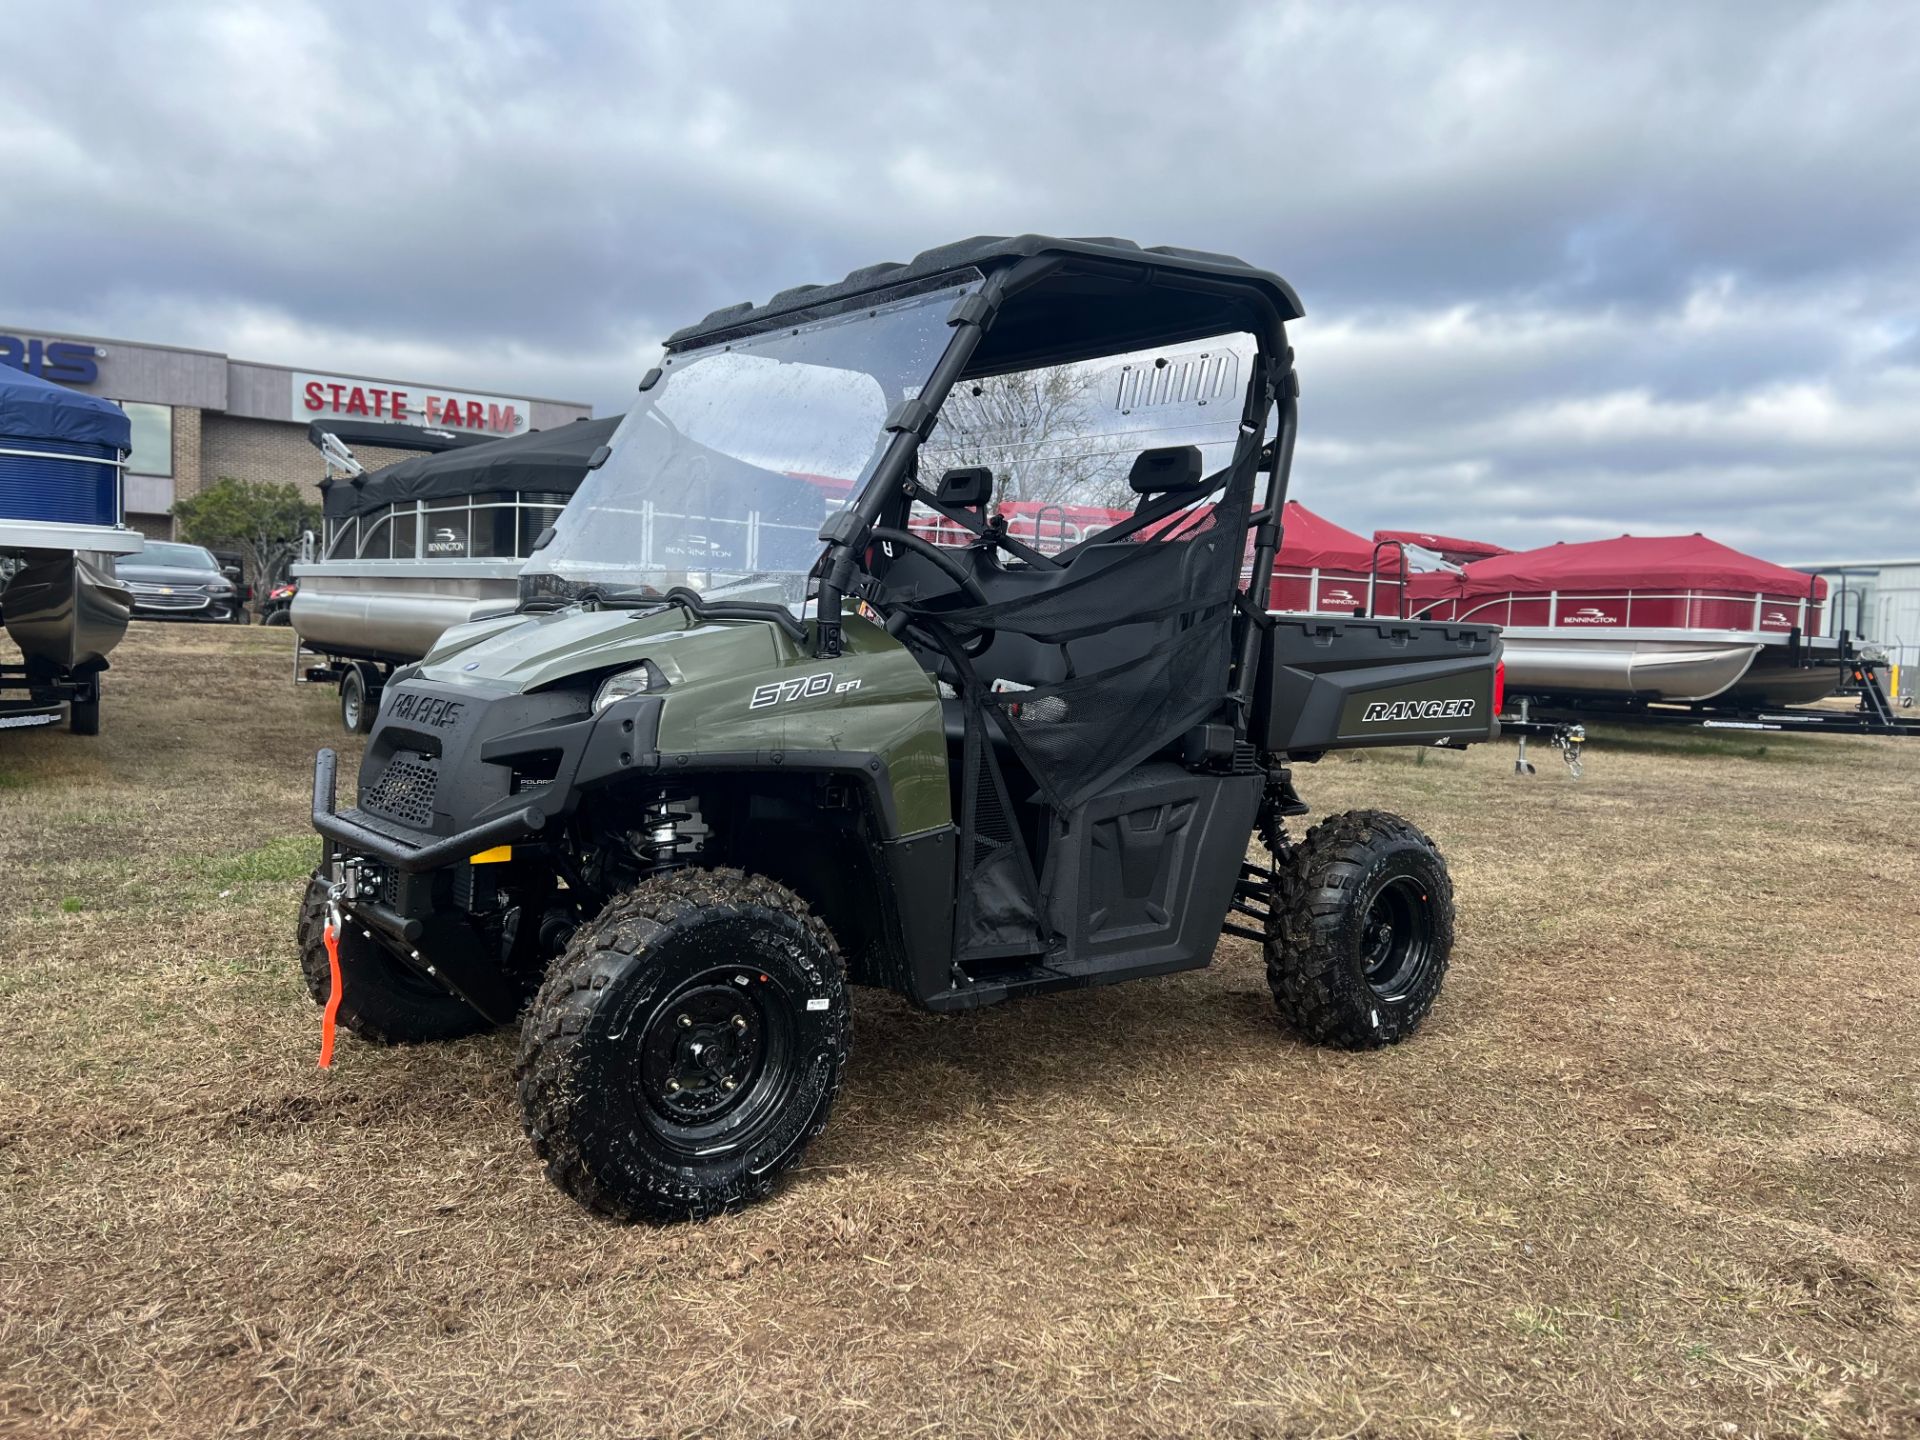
pixel 1569 269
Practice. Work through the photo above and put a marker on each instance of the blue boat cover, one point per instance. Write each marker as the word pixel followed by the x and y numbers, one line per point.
pixel 36 409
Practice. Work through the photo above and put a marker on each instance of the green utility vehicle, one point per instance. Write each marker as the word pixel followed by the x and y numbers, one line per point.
pixel 912 631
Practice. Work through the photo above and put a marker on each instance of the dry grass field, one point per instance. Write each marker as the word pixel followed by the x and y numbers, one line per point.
pixel 1649 1169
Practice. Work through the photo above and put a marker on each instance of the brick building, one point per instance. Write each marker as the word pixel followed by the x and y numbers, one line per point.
pixel 198 415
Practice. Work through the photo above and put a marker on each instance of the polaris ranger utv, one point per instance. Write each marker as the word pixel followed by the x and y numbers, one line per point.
pixel 910 632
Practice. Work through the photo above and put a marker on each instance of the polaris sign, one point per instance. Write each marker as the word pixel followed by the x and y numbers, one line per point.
pixel 63 361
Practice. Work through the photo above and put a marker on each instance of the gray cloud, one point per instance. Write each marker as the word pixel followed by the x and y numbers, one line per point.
pixel 1569 270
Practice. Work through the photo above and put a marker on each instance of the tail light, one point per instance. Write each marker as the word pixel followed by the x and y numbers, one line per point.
pixel 1500 687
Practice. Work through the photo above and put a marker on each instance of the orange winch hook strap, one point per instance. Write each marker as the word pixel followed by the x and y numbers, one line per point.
pixel 332 1012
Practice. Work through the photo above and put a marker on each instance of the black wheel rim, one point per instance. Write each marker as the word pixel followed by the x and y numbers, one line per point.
pixel 716 1059
pixel 1396 938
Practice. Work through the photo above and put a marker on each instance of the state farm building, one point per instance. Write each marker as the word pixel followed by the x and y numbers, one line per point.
pixel 198 415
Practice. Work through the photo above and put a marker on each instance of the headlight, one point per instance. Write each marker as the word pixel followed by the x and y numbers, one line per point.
pixel 637 681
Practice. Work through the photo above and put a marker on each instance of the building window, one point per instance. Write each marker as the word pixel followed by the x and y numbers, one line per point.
pixel 152 452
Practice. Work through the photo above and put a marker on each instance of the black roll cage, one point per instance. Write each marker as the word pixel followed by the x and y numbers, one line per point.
pixel 849 531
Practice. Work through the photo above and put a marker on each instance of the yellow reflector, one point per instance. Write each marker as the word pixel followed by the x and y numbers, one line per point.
pixel 499 855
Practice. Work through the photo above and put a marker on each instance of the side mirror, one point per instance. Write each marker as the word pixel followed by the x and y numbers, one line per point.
pixel 232 572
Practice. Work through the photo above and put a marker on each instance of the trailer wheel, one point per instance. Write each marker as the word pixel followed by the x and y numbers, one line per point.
pixel 1360 931
pixel 83 716
pixel 382 998
pixel 356 701
pixel 686 1047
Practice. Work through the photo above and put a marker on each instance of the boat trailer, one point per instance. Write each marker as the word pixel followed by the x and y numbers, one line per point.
pixel 1569 738
pixel 1875 713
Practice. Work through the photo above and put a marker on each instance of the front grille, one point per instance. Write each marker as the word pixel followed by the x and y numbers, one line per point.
pixel 405 791
pixel 148 597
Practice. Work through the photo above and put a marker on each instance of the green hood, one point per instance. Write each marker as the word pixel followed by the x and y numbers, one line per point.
pixel 733 687
pixel 530 652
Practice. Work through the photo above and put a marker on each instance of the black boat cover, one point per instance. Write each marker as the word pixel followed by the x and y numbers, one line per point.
pixel 548 461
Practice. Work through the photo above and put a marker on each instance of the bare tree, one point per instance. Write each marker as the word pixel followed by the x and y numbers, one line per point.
pixel 1045 434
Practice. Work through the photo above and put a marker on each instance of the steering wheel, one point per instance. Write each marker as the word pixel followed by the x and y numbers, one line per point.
pixel 964 579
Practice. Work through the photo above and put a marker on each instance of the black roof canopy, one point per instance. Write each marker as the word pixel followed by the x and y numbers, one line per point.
pixel 549 461
pixel 1108 295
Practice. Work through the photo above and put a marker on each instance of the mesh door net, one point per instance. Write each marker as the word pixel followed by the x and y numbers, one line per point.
pixel 1155 621
pixel 1146 627
pixel 1142 628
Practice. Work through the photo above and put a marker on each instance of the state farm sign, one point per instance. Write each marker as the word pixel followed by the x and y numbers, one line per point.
pixel 320 397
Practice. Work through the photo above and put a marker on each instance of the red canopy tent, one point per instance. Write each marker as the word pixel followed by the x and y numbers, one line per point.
pixel 1658 581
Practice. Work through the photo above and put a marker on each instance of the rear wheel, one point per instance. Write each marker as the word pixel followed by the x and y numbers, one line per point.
pixel 1361 930
pixel 382 997
pixel 686 1047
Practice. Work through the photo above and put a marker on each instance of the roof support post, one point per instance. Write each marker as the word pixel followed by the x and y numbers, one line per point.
pixel 847 532
pixel 1282 386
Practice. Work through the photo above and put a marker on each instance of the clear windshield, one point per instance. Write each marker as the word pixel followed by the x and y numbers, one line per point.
pixel 186 557
pixel 721 477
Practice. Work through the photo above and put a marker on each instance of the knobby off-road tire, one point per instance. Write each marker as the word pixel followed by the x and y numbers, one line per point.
pixel 686 1047
pixel 1360 931
pixel 382 998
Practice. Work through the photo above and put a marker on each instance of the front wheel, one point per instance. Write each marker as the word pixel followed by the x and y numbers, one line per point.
pixel 686 1047
pixel 1360 931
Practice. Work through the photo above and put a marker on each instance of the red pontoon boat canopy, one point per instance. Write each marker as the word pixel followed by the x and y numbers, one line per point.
pixel 1309 541
pixel 1448 547
pixel 1658 581
pixel 1636 562
pixel 1324 568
